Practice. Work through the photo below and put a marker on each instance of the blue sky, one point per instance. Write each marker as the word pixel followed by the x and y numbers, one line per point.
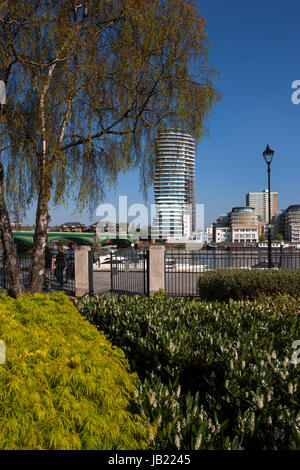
pixel 255 46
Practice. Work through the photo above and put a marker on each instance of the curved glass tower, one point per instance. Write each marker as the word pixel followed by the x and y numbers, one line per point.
pixel 174 185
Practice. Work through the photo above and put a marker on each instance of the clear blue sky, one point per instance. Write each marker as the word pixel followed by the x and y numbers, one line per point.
pixel 255 46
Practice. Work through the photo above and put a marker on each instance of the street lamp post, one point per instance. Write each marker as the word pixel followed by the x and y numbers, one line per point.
pixel 268 156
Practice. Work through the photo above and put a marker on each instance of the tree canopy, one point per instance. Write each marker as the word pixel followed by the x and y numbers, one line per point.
pixel 92 82
pixel 88 85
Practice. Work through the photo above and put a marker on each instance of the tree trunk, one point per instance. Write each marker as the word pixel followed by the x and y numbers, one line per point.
pixel 37 271
pixel 9 247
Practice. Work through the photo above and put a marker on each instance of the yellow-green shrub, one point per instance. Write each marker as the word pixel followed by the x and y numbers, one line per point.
pixel 63 386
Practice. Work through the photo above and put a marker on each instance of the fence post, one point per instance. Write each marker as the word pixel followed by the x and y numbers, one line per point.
pixel 156 267
pixel 82 275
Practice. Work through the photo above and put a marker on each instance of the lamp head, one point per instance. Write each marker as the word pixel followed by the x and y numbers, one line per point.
pixel 268 154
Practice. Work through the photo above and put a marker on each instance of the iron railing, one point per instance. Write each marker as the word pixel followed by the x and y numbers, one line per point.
pixel 129 272
pixel 67 283
pixel 24 260
pixel 183 268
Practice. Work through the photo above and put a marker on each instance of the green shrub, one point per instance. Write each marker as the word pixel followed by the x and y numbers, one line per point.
pixel 239 387
pixel 181 419
pixel 238 284
pixel 63 386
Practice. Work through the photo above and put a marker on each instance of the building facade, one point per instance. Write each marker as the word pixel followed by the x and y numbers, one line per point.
pixel 244 225
pixel 223 235
pixel 209 234
pixel 260 202
pixel 72 227
pixel 290 224
pixel 238 226
pixel 174 185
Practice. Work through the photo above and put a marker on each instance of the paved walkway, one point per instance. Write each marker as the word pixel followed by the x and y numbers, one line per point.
pixel 177 284
pixel 101 282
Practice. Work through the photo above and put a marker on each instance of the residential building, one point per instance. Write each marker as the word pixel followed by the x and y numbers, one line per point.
pixel 16 226
pixel 238 226
pixel 291 223
pixel 186 225
pixel 244 225
pixel 174 185
pixel 221 230
pixel 209 234
pixel 25 228
pixel 72 227
pixel 223 234
pixel 91 228
pixel 277 226
pixel 260 202
pixel 105 226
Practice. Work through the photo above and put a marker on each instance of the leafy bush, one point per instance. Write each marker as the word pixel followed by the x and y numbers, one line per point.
pixel 181 419
pixel 238 387
pixel 283 303
pixel 238 284
pixel 64 386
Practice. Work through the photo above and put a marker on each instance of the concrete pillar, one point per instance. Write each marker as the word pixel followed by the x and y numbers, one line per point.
pixel 82 278
pixel 156 268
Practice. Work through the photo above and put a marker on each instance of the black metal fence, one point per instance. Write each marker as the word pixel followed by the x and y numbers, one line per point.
pixel 24 262
pixel 183 268
pixel 64 280
pixel 91 272
pixel 129 272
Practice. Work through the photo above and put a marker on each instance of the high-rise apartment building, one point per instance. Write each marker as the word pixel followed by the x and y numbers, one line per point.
pixel 174 185
pixel 260 202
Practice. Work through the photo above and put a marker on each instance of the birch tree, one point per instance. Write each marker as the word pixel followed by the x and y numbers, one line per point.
pixel 89 83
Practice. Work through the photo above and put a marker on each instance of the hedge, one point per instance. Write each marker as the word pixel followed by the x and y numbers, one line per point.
pixel 63 386
pixel 238 284
pixel 215 375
